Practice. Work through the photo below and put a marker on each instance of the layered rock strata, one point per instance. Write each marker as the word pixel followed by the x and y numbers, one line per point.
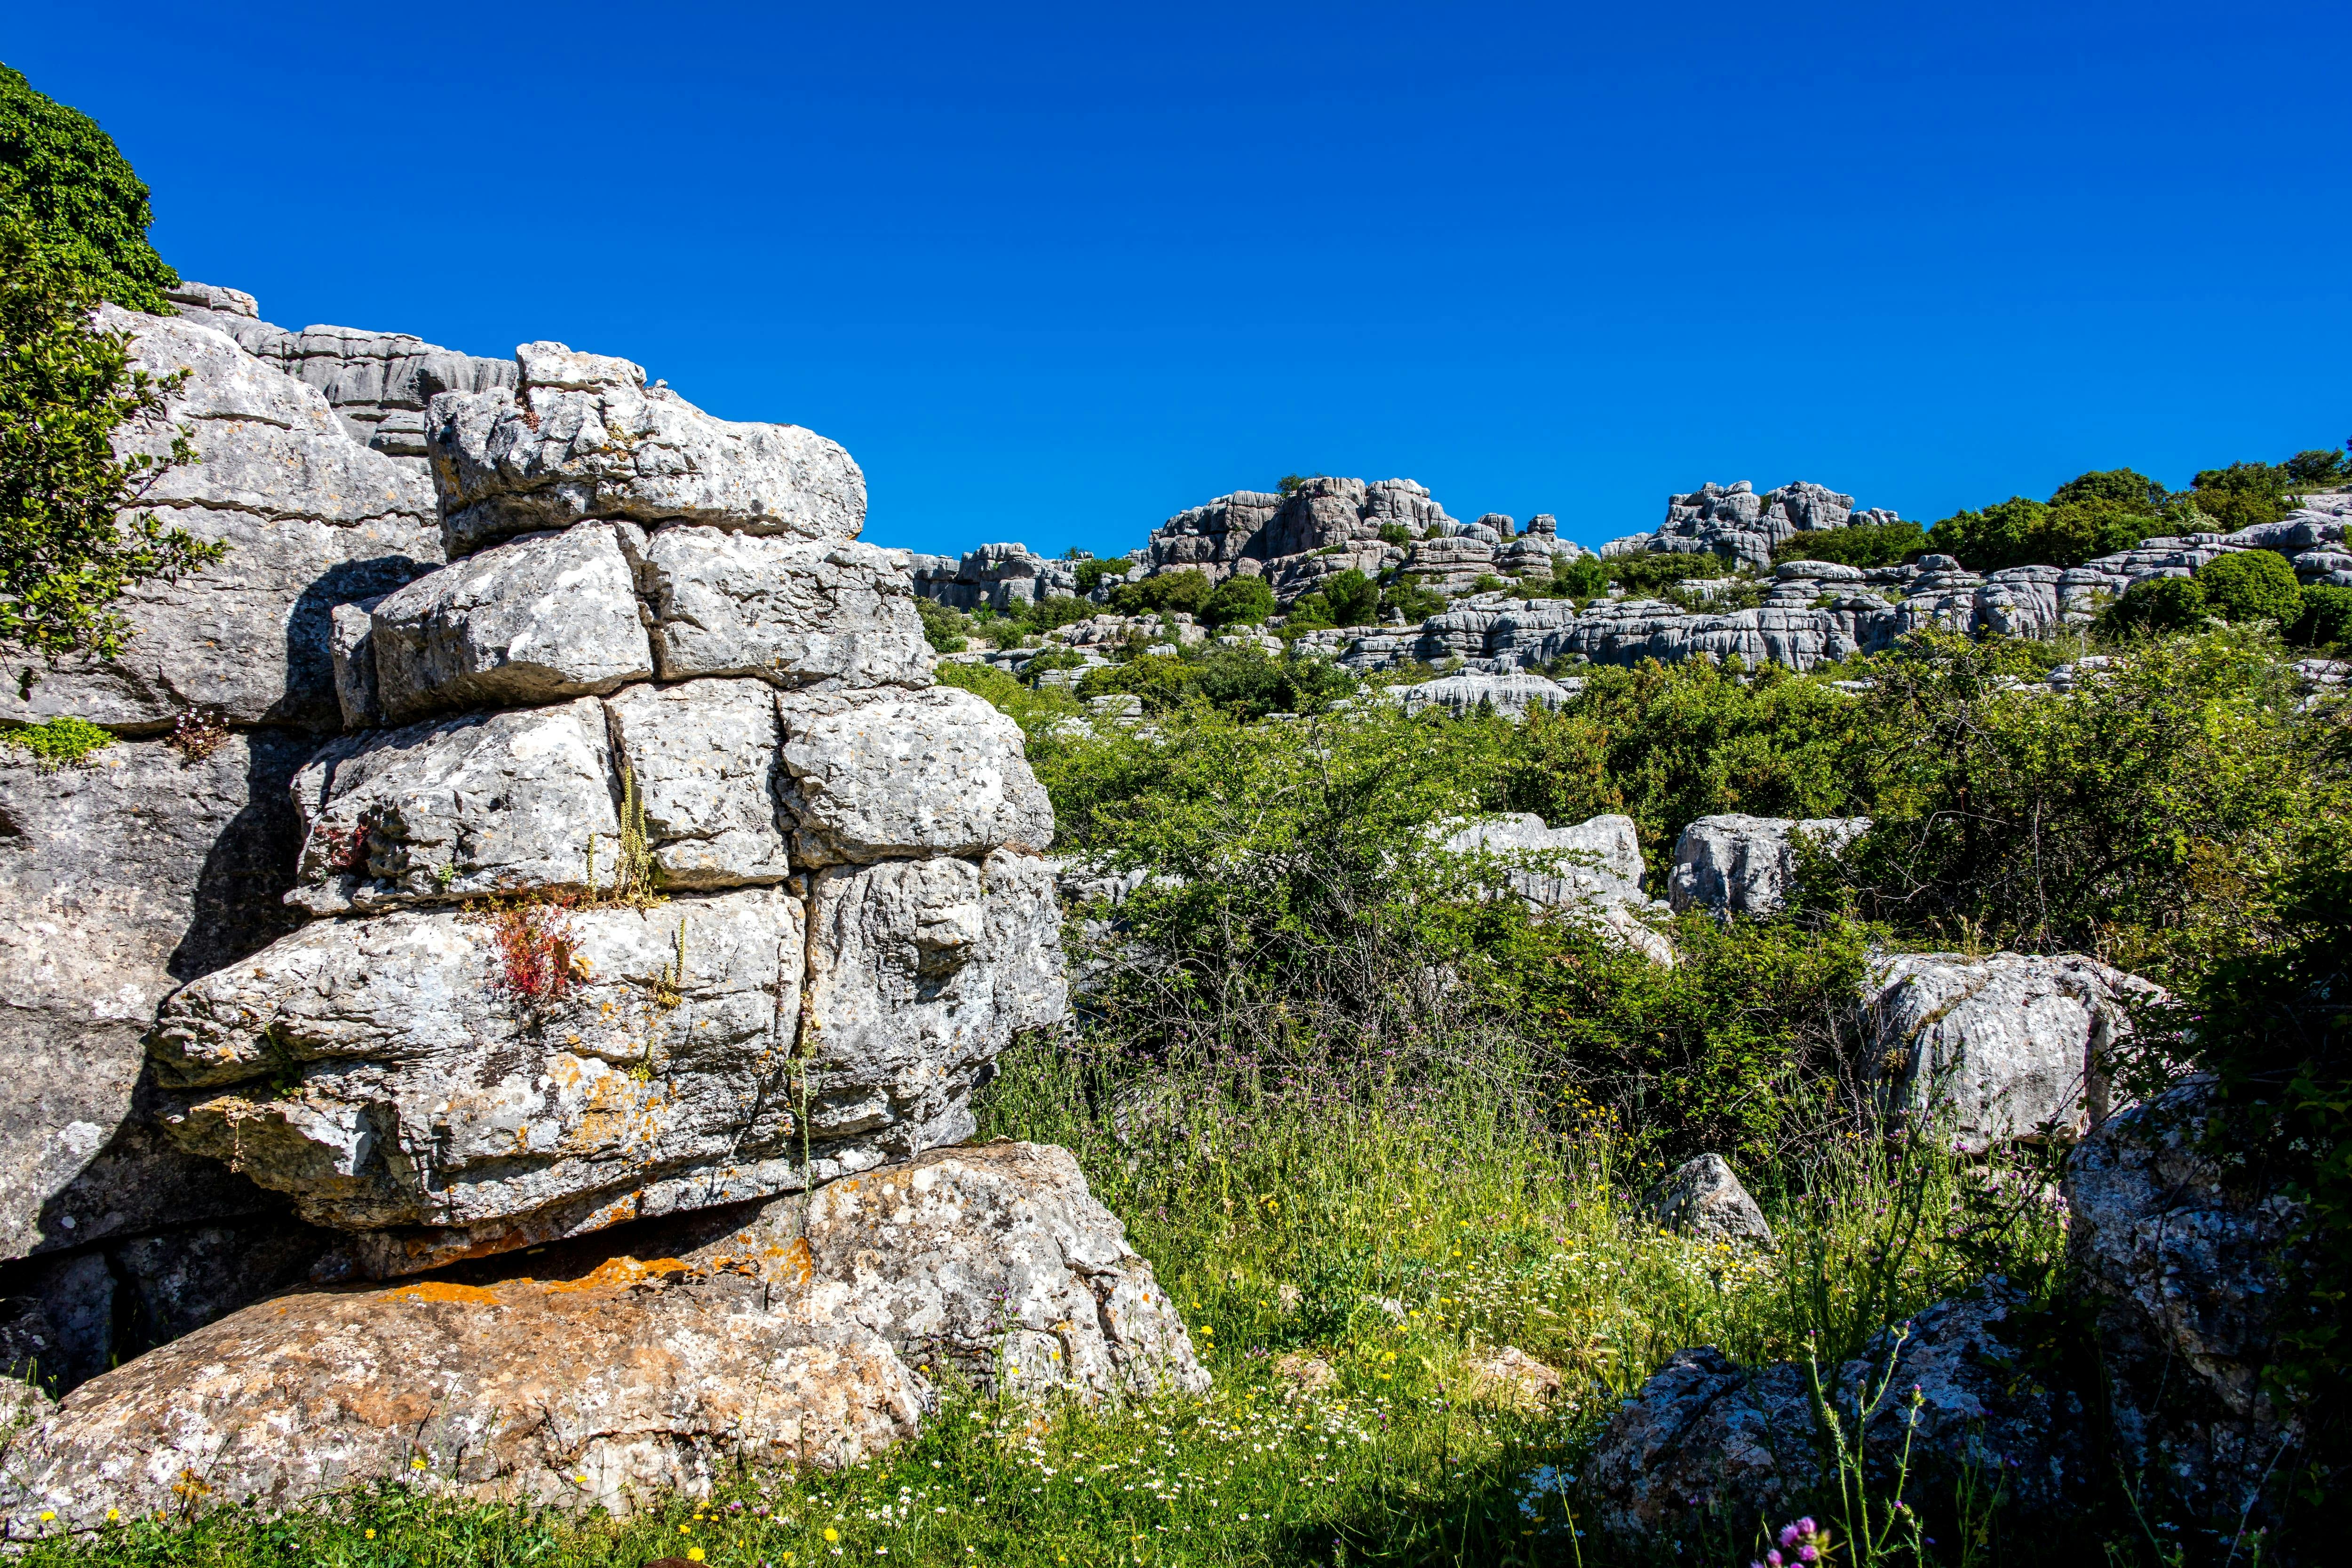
pixel 661 1358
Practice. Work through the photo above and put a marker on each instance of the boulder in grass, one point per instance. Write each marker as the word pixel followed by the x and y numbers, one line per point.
pixel 1703 1198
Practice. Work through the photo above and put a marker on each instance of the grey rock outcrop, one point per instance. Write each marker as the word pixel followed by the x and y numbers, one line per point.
pixel 378 383
pixel 1508 694
pixel 1735 522
pixel 793 611
pixel 1590 871
pixel 581 436
pixel 311 518
pixel 1703 1198
pixel 534 619
pixel 704 759
pixel 938 772
pixel 743 1337
pixel 458 808
pixel 1000 577
pixel 1748 864
pixel 1987 1049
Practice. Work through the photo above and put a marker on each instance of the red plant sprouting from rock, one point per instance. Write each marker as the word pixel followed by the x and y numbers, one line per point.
pixel 536 947
pixel 346 847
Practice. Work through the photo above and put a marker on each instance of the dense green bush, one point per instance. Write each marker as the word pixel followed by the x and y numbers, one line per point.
pixel 1354 599
pixel 2326 619
pixel 1858 544
pixel 2251 586
pixel 2320 465
pixel 2020 532
pixel 947 630
pixel 1248 681
pixel 2241 496
pixel 2157 604
pixel 1092 573
pixel 1403 599
pixel 1586 577
pixel 1647 573
pixel 63 179
pixel 1238 600
pixel 1185 591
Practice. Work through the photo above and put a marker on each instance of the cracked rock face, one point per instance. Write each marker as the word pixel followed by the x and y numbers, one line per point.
pixel 794 611
pixel 939 772
pixel 536 619
pixel 1987 1049
pixel 666 1356
pixel 582 436
pixel 311 519
pixel 1590 871
pixel 1748 864
pixel 457 808
pixel 704 758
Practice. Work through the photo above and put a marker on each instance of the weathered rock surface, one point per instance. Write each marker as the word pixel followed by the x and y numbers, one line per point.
pixel 1707 1443
pixel 993 1259
pixel 704 757
pixel 395 1077
pixel 377 383
pixel 794 611
pixel 1506 694
pixel 1748 864
pixel 1590 871
pixel 535 619
pixel 939 772
pixel 1987 1049
pixel 1735 522
pixel 995 576
pixel 751 1336
pixel 118 881
pixel 457 808
pixel 1704 1198
pixel 311 520
pixel 581 436
pixel 920 973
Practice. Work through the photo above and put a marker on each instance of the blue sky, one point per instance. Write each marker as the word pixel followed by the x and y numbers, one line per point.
pixel 1051 273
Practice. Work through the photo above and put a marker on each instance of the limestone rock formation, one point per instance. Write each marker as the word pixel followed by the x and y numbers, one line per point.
pixel 1000 577
pixel 1748 864
pixel 744 1336
pixel 311 520
pixel 920 772
pixel 1511 695
pixel 1703 1197
pixel 1734 521
pixel 703 758
pixel 1987 1049
pixel 795 611
pixel 581 436
pixel 534 619
pixel 1590 871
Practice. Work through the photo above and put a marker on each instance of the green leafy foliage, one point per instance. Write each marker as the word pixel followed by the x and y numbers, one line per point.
pixel 1586 577
pixel 1647 575
pixel 1354 599
pixel 2251 586
pixel 2326 619
pixel 2157 604
pixel 1404 599
pixel 73 539
pixel 76 199
pixel 1395 533
pixel 1091 572
pixel 2020 532
pixel 63 741
pixel 2320 465
pixel 1858 544
pixel 1238 600
pixel 1186 592
pixel 2243 495
pixel 1248 681
pixel 947 630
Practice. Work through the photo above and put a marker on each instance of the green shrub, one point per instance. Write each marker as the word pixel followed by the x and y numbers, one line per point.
pixel 1183 592
pixel 2243 495
pixel 2157 604
pixel 1354 598
pixel 2251 586
pixel 59 742
pixel 72 538
pixel 1857 544
pixel 1237 600
pixel 947 630
pixel 2320 465
pixel 75 194
pixel 2327 618
pixel 1308 612
pixel 1646 575
pixel 1092 573
pixel 1247 682
pixel 1487 583
pixel 2124 490
pixel 1408 601
pixel 1586 577
pixel 1395 533
pixel 2020 532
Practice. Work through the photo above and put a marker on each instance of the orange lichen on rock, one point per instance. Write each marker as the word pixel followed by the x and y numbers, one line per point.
pixel 442 1290
pixel 617 1273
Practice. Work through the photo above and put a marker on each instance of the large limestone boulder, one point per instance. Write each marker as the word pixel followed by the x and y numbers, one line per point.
pixel 703 758
pixel 1589 870
pixel 920 973
pixel 1748 864
pixel 794 610
pixel 582 436
pixel 452 1081
pixel 1703 1197
pixel 1987 1049
pixel 536 619
pixel 457 808
pixel 119 882
pixel 311 520
pixel 939 772
pixel 664 1356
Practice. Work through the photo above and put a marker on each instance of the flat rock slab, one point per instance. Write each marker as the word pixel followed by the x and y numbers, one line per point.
pixel 458 808
pixel 794 611
pixel 920 772
pixel 389 1076
pixel 662 1357
pixel 584 437
pixel 537 619
pixel 703 758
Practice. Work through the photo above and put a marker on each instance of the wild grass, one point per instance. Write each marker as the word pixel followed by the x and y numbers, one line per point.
pixel 1396 1231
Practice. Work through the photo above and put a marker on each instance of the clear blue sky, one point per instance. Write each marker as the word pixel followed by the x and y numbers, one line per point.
pixel 1053 273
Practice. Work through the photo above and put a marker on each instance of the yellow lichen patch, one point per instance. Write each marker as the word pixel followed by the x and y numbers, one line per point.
pixel 615 1273
pixel 800 1259
pixel 443 1291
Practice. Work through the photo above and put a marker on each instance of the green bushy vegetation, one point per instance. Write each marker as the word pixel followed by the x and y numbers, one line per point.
pixel 1859 544
pixel 58 742
pixel 1186 590
pixel 1649 575
pixel 75 198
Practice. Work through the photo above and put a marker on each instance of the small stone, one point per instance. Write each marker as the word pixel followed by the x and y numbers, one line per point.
pixel 1703 1199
